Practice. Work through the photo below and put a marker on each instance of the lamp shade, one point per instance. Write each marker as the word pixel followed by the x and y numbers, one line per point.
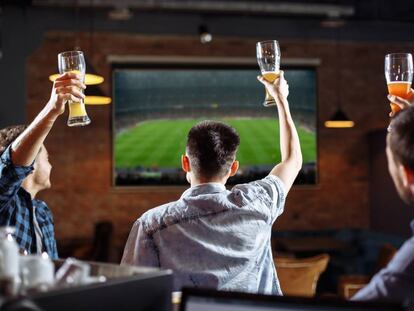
pixel 339 120
pixel 90 79
pixel 95 96
pixel 97 100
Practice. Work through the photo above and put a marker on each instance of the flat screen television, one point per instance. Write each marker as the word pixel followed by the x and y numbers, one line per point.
pixel 155 106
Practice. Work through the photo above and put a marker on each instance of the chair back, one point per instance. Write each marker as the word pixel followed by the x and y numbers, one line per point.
pixel 385 255
pixel 299 276
pixel 349 285
pixel 102 241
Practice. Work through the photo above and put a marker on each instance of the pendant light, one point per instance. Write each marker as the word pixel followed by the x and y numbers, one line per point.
pixel 95 96
pixel 339 119
pixel 90 78
pixel 93 93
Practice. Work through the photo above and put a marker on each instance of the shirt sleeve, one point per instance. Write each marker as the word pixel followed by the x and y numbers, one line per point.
pixel 269 191
pixel 140 249
pixel 396 281
pixel 11 177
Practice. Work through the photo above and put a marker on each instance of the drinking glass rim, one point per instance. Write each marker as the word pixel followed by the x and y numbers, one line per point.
pixel 70 53
pixel 398 55
pixel 267 41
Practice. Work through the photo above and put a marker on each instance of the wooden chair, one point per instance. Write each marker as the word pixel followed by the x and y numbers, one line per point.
pixel 96 249
pixel 349 285
pixel 299 276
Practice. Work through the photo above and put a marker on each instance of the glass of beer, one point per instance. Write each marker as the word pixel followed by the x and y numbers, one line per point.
pixel 398 69
pixel 74 61
pixel 268 58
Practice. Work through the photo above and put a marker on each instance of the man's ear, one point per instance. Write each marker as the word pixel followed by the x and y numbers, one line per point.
pixel 407 175
pixel 234 167
pixel 185 163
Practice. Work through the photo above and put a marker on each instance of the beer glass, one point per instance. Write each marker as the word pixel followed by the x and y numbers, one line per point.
pixel 399 75
pixel 74 61
pixel 268 58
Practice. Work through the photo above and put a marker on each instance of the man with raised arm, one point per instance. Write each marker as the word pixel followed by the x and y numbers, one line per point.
pixel 211 236
pixel 396 281
pixel 25 170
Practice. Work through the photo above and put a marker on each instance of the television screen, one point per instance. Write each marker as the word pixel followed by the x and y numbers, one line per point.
pixel 154 108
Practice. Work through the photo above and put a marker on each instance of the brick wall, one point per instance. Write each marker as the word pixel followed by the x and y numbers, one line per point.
pixel 82 157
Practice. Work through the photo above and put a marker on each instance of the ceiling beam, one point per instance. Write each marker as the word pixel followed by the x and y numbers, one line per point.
pixel 256 7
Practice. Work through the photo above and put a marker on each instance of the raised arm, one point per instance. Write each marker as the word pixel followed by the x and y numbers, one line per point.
pixel 291 163
pixel 26 147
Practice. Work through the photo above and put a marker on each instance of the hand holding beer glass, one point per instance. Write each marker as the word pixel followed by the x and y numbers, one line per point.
pixel 399 75
pixel 74 61
pixel 268 58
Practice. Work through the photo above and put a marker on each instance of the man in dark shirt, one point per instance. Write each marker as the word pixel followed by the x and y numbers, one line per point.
pixel 396 281
pixel 25 170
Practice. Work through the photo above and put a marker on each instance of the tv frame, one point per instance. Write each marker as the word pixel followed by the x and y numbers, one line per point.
pixel 113 294
pixel 326 302
pixel 189 62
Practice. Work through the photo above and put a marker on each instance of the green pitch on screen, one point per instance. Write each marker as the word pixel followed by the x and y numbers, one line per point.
pixel 160 143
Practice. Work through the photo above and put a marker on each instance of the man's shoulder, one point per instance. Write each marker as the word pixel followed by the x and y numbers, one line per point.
pixel 270 186
pixel 269 180
pixel 404 258
pixel 10 173
pixel 17 200
pixel 160 217
pixel 42 208
pixel 39 203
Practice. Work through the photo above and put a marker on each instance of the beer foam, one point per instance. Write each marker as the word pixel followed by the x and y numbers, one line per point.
pixel 399 82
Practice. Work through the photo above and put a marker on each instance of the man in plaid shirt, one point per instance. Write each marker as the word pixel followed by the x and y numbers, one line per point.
pixel 25 170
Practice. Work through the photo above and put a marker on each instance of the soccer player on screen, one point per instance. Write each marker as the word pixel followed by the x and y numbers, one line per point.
pixel 211 236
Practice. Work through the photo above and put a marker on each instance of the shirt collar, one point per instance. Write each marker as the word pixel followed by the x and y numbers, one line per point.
pixel 37 202
pixel 25 193
pixel 204 189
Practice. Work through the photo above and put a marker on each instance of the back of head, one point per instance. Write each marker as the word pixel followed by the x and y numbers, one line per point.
pixel 212 147
pixel 401 137
pixel 9 134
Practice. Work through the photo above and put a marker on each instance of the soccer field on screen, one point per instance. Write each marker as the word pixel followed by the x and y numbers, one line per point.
pixel 160 143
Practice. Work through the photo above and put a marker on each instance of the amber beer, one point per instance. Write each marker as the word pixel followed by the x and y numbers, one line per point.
pixel 268 58
pixel 74 61
pixel 77 110
pixel 270 76
pixel 398 69
pixel 401 89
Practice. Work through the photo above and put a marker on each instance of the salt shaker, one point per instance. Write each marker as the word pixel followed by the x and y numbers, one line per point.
pixel 37 273
pixel 9 263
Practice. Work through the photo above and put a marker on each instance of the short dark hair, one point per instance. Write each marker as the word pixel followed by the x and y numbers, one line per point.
pixel 401 140
pixel 212 147
pixel 9 134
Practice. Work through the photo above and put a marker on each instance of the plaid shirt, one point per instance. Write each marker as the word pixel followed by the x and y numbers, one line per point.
pixel 16 208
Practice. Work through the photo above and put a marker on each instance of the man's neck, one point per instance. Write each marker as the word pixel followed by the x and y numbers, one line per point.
pixel 28 186
pixel 196 182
